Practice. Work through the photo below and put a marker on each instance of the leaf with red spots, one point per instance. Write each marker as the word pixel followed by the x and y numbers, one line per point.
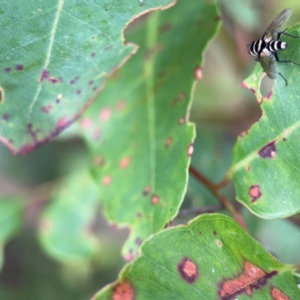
pixel 266 161
pixel 138 129
pixel 10 221
pixel 65 229
pixel 210 258
pixel 55 57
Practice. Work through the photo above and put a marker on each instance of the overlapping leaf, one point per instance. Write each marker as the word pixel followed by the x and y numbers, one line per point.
pixel 54 58
pixel 138 129
pixel 66 227
pixel 10 221
pixel 266 159
pixel 210 258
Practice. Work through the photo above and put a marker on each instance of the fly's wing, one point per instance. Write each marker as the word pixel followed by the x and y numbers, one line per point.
pixel 269 65
pixel 273 28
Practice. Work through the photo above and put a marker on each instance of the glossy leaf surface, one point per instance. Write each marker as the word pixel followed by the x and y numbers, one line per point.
pixel 210 258
pixel 138 128
pixel 54 59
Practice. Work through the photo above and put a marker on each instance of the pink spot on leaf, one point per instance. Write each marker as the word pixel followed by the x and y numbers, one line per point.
pixel 124 163
pixel 86 123
pixel 105 114
pixel 107 180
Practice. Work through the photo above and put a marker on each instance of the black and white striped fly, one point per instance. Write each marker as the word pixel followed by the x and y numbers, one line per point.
pixel 265 49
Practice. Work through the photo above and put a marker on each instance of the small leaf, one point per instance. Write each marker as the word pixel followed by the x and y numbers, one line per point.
pixel 10 221
pixel 55 57
pixel 266 161
pixel 66 225
pixel 210 258
pixel 138 129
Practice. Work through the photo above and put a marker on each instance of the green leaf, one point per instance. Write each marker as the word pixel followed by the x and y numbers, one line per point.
pixel 266 161
pixel 10 221
pixel 210 258
pixel 65 229
pixel 138 129
pixel 55 57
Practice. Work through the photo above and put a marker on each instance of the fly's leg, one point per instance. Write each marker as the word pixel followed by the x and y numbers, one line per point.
pixel 284 61
pixel 283 79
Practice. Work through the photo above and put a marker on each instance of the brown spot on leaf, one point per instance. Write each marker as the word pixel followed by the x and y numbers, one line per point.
pixel 107 180
pixel 5 117
pixel 154 199
pixel 121 105
pixel 248 168
pixel 124 163
pixel 198 73
pixel 123 291
pixel 188 270
pixel 251 278
pixel 190 149
pixel 7 70
pixel 138 241
pixel 93 54
pixel 96 134
pixel 255 192
pixel 168 142
pixel 165 27
pixel 277 294
pixel 214 232
pixel 1 95
pixel 99 161
pixel 181 121
pixel 219 243
pixel 147 190
pixel 46 109
pixel 19 67
pixel 268 151
pixel 105 114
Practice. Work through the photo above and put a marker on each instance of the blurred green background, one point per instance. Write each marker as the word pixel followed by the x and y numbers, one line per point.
pixel 221 110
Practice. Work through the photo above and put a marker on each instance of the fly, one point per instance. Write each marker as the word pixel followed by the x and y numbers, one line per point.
pixel 265 49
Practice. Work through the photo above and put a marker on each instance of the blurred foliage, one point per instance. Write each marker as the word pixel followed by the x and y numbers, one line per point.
pixel 220 115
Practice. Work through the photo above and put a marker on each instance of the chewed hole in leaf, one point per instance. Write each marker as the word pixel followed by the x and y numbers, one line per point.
pixel 266 85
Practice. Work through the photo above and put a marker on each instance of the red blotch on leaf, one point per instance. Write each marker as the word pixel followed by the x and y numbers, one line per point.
pixel 123 291
pixel 268 151
pixel 255 193
pixel 252 278
pixel 277 294
pixel 188 270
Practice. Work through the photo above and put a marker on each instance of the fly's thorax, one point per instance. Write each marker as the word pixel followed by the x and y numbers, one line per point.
pixel 265 52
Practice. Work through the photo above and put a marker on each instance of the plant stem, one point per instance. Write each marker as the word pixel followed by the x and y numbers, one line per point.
pixel 214 189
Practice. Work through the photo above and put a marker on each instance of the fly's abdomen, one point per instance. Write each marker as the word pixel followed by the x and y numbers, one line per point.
pixel 274 46
pixel 257 47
